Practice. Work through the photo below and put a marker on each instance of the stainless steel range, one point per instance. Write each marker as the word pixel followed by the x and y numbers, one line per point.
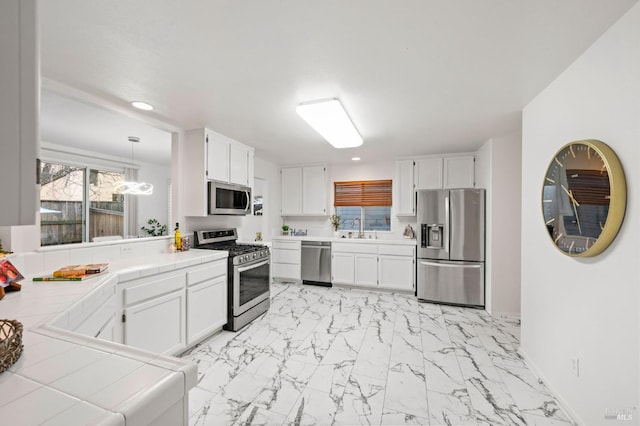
pixel 248 275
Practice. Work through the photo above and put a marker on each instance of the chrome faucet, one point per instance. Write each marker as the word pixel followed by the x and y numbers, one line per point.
pixel 360 231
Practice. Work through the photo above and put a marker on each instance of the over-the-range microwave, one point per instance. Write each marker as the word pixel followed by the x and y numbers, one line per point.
pixel 229 199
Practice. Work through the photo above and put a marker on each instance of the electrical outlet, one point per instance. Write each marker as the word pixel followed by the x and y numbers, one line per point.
pixel 575 366
pixel 124 249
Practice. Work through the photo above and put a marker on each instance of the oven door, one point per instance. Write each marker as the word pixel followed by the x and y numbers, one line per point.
pixel 250 285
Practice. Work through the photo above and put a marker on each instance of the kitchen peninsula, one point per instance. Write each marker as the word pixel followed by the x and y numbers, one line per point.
pixel 73 377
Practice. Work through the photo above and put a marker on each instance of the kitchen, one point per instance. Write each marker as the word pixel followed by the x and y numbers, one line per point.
pixel 497 162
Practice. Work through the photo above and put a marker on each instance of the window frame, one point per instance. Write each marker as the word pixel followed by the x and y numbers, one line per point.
pixel 363 194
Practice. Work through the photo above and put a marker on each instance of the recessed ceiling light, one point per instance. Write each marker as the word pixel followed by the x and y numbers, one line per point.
pixel 142 105
pixel 329 118
pixel 355 159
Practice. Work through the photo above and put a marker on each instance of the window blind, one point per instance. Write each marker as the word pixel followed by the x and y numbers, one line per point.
pixel 362 193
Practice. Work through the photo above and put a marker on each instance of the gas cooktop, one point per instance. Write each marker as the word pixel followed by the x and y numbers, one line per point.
pixel 225 239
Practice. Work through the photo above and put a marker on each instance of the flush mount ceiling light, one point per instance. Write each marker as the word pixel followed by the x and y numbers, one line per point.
pixel 329 118
pixel 355 159
pixel 132 187
pixel 142 105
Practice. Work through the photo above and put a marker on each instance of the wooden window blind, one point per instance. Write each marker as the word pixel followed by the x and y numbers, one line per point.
pixel 362 193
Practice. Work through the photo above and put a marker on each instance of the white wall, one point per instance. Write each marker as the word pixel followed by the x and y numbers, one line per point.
pixel 155 206
pixel 498 170
pixel 586 308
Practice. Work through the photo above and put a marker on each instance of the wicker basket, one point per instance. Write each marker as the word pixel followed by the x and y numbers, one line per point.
pixel 10 343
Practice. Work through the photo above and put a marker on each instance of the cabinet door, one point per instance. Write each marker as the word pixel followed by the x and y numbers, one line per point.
pixel 19 110
pixel 218 157
pixel 157 325
pixel 291 191
pixel 314 190
pixel 366 269
pixel 286 271
pixel 459 172
pixel 396 272
pixel 428 173
pixel 206 308
pixel 239 164
pixel 342 268
pixel 405 194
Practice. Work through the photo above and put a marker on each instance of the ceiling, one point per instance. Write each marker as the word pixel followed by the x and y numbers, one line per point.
pixel 416 76
pixel 70 122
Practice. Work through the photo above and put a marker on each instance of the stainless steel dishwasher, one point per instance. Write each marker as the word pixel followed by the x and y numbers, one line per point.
pixel 316 263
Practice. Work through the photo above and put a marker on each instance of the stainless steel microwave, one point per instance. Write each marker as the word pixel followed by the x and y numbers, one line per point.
pixel 229 199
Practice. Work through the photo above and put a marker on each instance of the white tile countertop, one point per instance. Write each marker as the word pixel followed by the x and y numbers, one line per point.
pixel 65 378
pixel 397 241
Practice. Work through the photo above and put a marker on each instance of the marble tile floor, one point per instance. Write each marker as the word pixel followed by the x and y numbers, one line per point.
pixel 335 356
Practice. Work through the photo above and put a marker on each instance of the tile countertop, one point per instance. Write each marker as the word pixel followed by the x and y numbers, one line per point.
pixel 397 241
pixel 65 378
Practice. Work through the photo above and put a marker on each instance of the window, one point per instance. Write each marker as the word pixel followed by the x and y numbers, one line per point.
pixel 65 216
pixel 367 202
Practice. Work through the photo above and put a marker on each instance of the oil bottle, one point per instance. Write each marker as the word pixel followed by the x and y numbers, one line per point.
pixel 178 238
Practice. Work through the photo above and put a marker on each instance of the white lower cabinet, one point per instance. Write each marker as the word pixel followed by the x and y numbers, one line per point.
pixel 396 272
pixel 342 268
pixel 158 324
pixel 286 259
pixel 206 300
pixel 396 267
pixel 366 269
pixel 374 265
pixel 168 312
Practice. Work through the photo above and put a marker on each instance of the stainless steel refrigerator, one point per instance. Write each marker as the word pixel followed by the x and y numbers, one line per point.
pixel 450 267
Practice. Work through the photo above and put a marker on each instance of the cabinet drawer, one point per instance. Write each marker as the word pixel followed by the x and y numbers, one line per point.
pixel 354 248
pixel 289 245
pixel 158 286
pixel 396 250
pixel 206 272
pixel 281 270
pixel 286 256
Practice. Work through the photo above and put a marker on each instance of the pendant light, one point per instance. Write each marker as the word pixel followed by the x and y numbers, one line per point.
pixel 131 187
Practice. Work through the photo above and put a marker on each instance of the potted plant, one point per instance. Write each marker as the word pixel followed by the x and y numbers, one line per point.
pixel 155 228
pixel 285 229
pixel 335 223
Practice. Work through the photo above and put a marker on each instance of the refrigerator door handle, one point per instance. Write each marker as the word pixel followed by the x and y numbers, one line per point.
pixel 446 224
pixel 450 265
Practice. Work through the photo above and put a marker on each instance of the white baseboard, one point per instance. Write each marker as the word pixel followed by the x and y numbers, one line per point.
pixel 573 416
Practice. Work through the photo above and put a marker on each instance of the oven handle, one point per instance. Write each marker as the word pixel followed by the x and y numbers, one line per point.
pixel 255 265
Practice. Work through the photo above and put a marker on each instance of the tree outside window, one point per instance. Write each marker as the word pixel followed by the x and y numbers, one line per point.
pixel 78 203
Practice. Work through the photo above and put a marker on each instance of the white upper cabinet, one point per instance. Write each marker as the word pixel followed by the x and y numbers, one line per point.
pixel 459 172
pixel 229 161
pixel 19 110
pixel 433 172
pixel 428 173
pixel 449 171
pixel 404 194
pixel 314 190
pixel 218 151
pixel 239 164
pixel 291 191
pixel 207 155
pixel 304 191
